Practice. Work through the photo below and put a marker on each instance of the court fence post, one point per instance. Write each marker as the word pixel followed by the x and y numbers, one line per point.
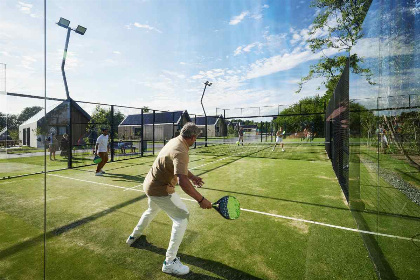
pixel 153 133
pixel 261 129
pixel 112 133
pixel 142 134
pixel 195 121
pixel 70 159
pixel 173 124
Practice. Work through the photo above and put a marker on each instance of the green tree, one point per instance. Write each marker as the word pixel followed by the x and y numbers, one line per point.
pixel 301 115
pixel 146 109
pixel 340 24
pixel 28 113
pixel 102 117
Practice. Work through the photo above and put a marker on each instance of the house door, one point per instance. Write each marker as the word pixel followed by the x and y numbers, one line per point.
pixel 24 136
pixel 28 137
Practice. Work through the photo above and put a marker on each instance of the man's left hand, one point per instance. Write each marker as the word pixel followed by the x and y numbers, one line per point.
pixel 197 181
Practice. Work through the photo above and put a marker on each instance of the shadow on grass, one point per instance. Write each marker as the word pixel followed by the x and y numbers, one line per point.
pixel 220 269
pixel 415 179
pixel 58 231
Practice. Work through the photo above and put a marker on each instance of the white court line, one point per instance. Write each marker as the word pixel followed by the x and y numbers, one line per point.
pixel 259 212
pixel 136 186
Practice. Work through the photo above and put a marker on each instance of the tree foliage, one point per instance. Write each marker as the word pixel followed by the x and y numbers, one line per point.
pixel 299 116
pixel 336 29
pixel 102 118
pixel 13 121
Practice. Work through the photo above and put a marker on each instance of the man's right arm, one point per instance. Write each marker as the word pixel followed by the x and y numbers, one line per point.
pixel 189 189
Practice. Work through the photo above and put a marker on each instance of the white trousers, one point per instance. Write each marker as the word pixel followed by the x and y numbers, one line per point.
pixel 176 210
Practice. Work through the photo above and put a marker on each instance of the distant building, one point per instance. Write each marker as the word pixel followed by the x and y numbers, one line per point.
pixel 252 128
pixel 166 125
pixel 35 131
pixel 216 126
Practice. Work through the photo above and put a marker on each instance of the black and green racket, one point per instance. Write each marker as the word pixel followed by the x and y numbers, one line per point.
pixel 228 207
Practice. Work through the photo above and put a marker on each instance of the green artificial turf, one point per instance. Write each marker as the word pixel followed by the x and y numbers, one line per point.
pixel 89 218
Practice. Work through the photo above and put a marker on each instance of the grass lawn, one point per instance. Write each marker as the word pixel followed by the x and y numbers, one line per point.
pixel 89 218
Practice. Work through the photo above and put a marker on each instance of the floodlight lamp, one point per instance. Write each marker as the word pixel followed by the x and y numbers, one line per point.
pixel 81 30
pixel 63 22
pixel 207 83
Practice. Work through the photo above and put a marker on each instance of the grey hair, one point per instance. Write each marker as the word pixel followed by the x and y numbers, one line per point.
pixel 189 130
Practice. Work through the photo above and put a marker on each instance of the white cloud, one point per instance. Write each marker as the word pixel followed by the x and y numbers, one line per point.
pixel 287 61
pixel 144 26
pixel 182 63
pixel 272 42
pixel 25 7
pixel 116 52
pixel 237 51
pixel 237 19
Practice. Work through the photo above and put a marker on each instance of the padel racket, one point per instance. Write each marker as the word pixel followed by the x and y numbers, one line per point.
pixel 97 159
pixel 228 207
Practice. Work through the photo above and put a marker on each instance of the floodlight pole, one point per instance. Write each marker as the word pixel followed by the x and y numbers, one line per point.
pixel 205 116
pixel 64 62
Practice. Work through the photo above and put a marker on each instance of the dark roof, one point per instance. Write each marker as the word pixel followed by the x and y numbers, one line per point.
pixel 62 106
pixel 161 117
pixel 211 120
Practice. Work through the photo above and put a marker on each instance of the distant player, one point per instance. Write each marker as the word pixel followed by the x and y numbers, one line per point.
pixel 279 138
pixel 102 149
pixel 241 136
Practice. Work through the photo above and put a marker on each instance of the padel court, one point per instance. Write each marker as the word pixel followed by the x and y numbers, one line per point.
pixel 294 223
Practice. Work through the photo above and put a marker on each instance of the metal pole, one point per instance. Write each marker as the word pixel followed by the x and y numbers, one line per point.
pixel 142 133
pixel 266 131
pixel 173 124
pixel 205 116
pixel 153 126
pixel 271 134
pixel 261 129
pixel 70 160
pixel 112 133
pixel 195 121
pixel 64 63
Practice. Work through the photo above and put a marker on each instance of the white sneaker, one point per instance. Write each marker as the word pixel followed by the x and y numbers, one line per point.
pixel 175 267
pixel 98 174
pixel 103 172
pixel 130 240
pixel 282 150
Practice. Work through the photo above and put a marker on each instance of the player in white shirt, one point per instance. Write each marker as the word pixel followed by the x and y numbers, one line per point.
pixel 279 138
pixel 102 150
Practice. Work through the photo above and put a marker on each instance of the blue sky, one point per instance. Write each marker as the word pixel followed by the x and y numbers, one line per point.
pixel 159 53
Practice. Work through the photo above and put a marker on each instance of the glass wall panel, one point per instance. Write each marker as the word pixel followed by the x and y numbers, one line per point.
pixel 22 161
pixel 385 123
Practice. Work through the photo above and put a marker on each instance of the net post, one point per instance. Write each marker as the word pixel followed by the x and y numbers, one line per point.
pixel 112 133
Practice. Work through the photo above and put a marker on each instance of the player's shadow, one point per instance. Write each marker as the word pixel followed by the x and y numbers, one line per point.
pixel 217 268
pixel 126 177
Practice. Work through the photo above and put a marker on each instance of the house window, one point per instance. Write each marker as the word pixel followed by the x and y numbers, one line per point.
pixel 137 131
